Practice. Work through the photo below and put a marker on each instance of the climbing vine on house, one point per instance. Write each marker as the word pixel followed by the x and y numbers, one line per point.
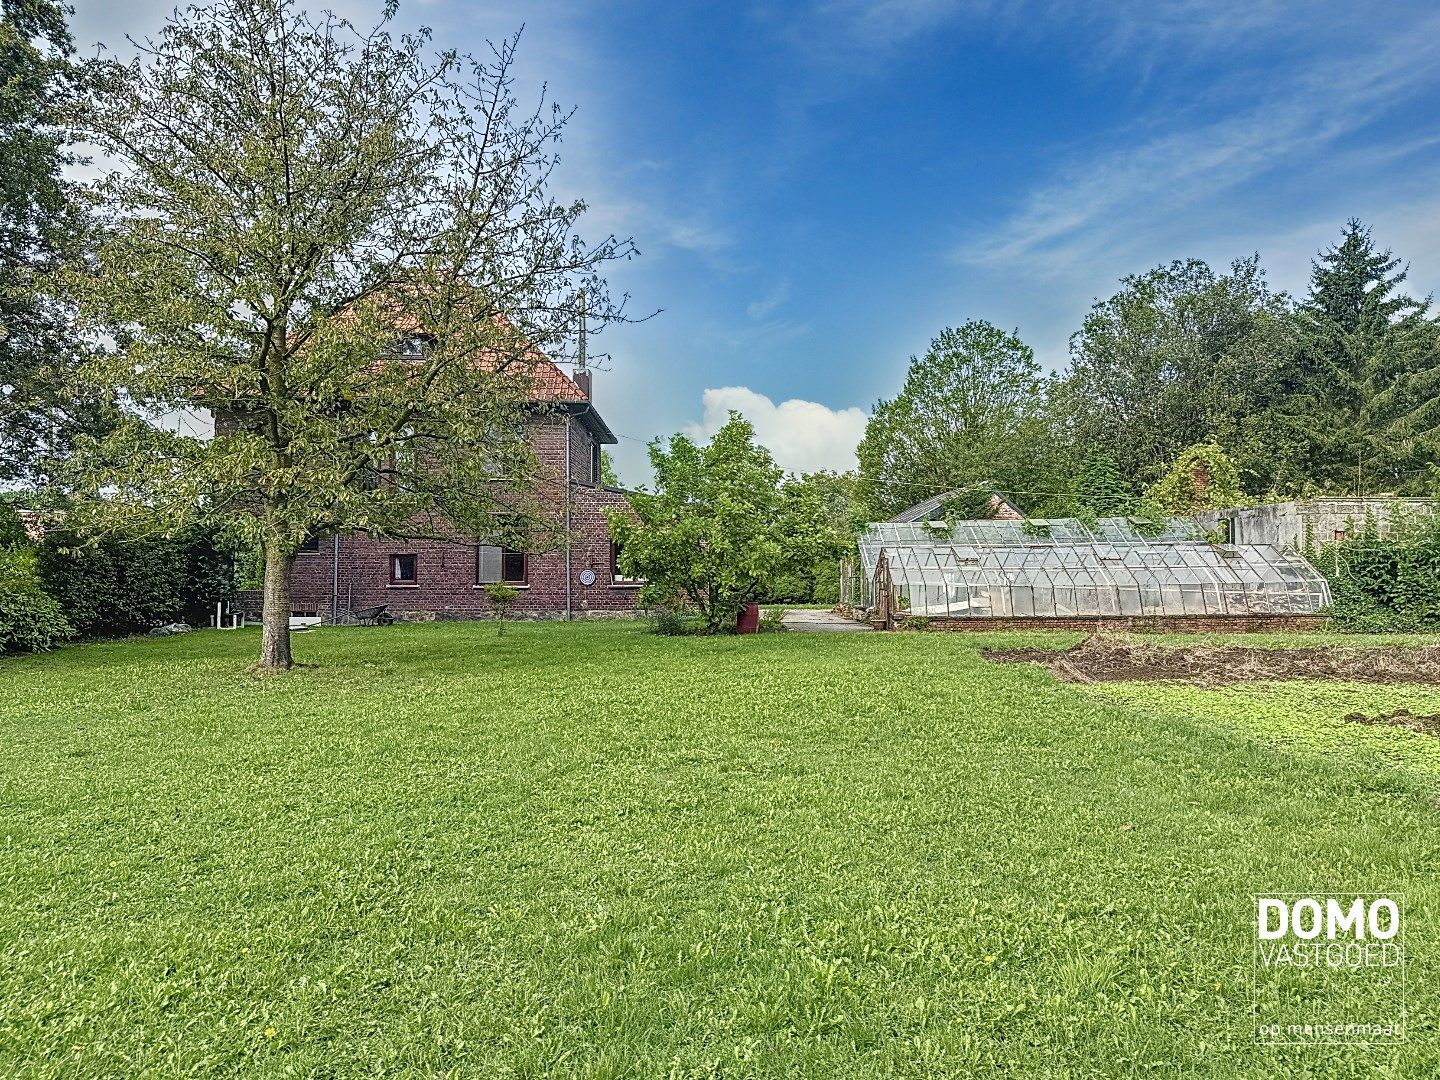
pixel 1202 478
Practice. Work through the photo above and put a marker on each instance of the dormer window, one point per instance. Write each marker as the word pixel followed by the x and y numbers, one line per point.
pixel 411 348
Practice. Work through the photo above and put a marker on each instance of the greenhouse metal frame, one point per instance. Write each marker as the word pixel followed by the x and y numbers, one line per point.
pixel 1066 569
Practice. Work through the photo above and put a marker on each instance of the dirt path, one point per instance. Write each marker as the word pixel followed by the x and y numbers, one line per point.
pixel 1104 659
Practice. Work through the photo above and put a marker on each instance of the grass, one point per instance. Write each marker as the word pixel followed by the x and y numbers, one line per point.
pixel 588 851
pixel 1303 717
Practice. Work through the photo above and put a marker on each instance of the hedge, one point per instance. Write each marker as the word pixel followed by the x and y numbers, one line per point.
pixel 121 585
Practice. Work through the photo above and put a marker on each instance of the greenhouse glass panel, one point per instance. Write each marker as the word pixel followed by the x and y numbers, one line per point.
pixel 1062 568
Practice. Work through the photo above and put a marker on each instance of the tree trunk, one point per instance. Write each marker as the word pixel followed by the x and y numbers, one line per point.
pixel 275 652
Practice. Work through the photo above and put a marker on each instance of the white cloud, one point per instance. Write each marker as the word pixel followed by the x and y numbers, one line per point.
pixel 803 435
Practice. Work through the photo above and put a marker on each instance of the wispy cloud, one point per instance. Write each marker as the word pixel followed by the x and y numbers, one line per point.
pixel 758 309
pixel 1147 181
pixel 1135 32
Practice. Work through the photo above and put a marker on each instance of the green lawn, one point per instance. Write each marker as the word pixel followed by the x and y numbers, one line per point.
pixel 589 851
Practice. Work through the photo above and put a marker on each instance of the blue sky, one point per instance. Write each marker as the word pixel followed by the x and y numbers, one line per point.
pixel 817 189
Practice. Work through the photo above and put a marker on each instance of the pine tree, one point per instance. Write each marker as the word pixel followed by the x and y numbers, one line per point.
pixel 1362 352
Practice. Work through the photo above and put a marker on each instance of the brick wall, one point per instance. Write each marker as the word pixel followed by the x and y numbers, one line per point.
pixel 547 437
pixel 1175 624
pixel 446 572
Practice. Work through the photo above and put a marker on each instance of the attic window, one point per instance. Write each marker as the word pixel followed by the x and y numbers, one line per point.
pixel 411 348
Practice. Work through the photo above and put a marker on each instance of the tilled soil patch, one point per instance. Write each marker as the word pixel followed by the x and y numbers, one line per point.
pixel 1426 725
pixel 1107 659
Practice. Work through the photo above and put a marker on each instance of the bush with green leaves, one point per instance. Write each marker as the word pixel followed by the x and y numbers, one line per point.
pixel 30 620
pixel 501 597
pixel 120 585
pixel 712 534
pixel 1384 580
pixel 671 623
pixel 1202 477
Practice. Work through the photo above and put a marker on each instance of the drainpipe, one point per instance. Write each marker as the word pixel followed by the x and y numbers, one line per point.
pixel 568 585
pixel 334 578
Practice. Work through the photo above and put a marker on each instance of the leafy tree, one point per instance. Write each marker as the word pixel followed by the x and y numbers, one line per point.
pixel 712 534
pixel 1202 478
pixel 608 476
pixel 1177 356
pixel 41 222
pixel 1368 355
pixel 1101 490
pixel 970 413
pixel 345 249
pixel 12 528
pixel 819 527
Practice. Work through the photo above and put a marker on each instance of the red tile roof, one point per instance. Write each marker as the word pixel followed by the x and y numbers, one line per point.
pixel 552 384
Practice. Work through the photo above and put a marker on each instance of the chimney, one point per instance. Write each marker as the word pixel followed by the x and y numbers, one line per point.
pixel 1199 475
pixel 582 380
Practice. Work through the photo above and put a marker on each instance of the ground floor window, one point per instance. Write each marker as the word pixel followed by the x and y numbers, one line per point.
pixel 618 576
pixel 514 567
pixel 403 570
pixel 502 565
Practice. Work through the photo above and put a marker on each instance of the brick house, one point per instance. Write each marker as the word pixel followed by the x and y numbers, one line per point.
pixel 423 579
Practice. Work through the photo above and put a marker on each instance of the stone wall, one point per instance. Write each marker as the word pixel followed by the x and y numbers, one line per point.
pixel 1323 521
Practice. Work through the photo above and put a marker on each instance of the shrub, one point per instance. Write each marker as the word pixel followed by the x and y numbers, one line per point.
pixel 501 597
pixel 671 623
pixel 772 619
pixel 1202 477
pixel 1384 583
pixel 119 585
pixel 30 620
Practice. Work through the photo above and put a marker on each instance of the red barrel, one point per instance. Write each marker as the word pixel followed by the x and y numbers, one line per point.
pixel 749 621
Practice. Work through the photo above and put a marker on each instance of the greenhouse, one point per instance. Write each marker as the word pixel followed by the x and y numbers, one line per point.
pixel 1064 569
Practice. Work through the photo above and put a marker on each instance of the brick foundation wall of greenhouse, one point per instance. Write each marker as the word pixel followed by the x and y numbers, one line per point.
pixel 1174 624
